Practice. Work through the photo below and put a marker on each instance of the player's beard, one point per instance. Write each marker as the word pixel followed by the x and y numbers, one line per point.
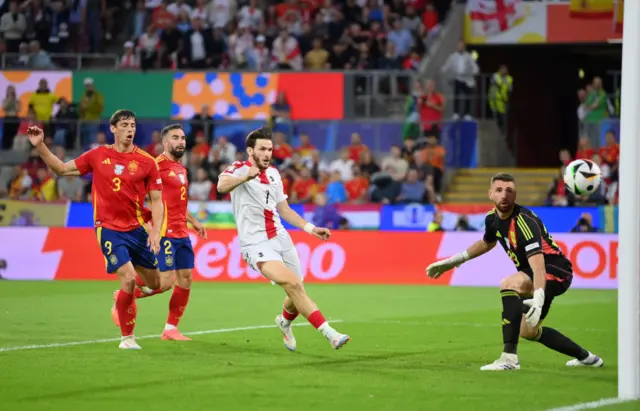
pixel 176 153
pixel 258 162
pixel 505 206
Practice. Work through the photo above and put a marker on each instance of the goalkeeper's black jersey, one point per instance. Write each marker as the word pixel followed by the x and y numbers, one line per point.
pixel 522 235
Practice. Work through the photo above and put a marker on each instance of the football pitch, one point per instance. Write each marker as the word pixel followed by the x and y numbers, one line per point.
pixel 412 348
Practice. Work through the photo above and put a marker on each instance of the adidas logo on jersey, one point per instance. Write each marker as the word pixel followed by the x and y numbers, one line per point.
pixel 172 174
pixel 107 161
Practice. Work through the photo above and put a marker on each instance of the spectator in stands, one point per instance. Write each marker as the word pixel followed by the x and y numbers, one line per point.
pixel 251 15
pixel 155 147
pixel 597 104
pixel 582 110
pixel 367 164
pixel 385 189
pixel 434 155
pixel 430 195
pixel 399 165
pixel 401 38
pixel 200 124
pixel 202 147
pixel 436 223
pixel 21 141
pixel 59 30
pixel 13 26
pixel 281 150
pixel 130 59
pixel 101 140
pixel 19 186
pixel 557 195
pixel 356 148
pixel 91 108
pixel 610 153
pixel 585 224
pixel 317 58
pixel 317 166
pixel 463 224
pixel 462 68
pixel 136 26
pixel 390 60
pixel 431 110
pixel 303 188
pixel 178 7
pixel 305 148
pixel 585 151
pixel 358 187
pixel 65 124
pixel 221 12
pixel 170 39
pixel 324 214
pixel 227 150
pixel 42 101
pixel 412 190
pixel 423 168
pixel 335 191
pixel 148 46
pixel 342 56
pixel 240 44
pixel 565 157
pixel 286 52
pixel 343 165
pixel 44 186
pixel 162 17
pixel 200 189
pixel 183 24
pixel 259 56
pixel 281 114
pixel 12 107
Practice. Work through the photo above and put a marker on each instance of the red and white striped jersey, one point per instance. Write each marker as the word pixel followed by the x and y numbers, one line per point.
pixel 254 204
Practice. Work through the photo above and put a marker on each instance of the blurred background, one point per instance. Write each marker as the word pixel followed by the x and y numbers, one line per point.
pixel 389 115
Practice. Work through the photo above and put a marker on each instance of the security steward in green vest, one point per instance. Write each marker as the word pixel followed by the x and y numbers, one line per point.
pixel 499 93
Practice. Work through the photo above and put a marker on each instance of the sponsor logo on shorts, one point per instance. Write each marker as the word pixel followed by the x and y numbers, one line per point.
pixel 532 246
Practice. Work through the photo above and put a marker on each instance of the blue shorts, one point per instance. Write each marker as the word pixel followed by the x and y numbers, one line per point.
pixel 175 254
pixel 120 247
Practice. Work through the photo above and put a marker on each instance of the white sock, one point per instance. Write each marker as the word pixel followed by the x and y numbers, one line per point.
pixel 327 330
pixel 169 327
pixel 286 322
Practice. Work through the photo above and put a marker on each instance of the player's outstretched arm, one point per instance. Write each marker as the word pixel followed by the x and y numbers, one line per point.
pixel 476 249
pixel 293 218
pixel 36 137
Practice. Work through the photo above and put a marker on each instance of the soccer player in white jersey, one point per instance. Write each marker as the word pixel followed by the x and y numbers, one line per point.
pixel 258 204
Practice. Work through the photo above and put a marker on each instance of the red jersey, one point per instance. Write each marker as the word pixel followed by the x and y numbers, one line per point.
pixel 282 152
pixel 610 154
pixel 585 154
pixel 121 182
pixel 174 195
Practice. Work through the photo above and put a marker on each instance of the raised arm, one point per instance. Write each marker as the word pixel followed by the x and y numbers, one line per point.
pixel 231 178
pixel 36 137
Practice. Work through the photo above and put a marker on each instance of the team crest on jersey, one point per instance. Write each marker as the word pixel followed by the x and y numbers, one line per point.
pixel 183 180
pixel 113 259
pixel 119 168
pixel 132 167
pixel 168 260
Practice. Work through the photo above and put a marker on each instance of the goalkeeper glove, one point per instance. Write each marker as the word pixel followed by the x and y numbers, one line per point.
pixel 535 307
pixel 436 269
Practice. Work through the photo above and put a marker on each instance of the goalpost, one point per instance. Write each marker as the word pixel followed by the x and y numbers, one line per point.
pixel 629 210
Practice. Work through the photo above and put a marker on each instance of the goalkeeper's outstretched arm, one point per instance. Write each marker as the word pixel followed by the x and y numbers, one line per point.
pixel 476 249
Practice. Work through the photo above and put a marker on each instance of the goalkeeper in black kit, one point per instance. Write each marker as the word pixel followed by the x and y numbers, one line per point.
pixel 543 274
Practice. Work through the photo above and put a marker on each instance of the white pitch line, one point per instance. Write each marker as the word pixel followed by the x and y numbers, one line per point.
pixel 106 340
pixel 604 402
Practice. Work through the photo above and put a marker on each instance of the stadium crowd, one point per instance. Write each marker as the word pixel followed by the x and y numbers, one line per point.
pixel 225 34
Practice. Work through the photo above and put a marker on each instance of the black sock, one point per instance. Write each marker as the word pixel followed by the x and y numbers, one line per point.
pixel 511 317
pixel 558 342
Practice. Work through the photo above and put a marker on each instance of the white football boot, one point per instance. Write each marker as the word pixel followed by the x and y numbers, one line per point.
pixel 338 340
pixel 287 334
pixel 129 343
pixel 591 361
pixel 504 363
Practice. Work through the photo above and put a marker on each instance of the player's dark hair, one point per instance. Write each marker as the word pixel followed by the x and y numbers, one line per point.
pixel 167 129
pixel 263 133
pixel 507 178
pixel 121 115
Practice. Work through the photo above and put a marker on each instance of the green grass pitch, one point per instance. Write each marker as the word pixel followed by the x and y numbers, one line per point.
pixel 412 348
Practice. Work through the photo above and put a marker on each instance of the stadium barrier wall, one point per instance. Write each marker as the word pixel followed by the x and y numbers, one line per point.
pixel 350 257
pixel 408 217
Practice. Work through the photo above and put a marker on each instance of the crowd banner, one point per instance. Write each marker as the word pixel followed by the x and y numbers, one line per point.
pixel 522 22
pixel 33 213
pixel 350 257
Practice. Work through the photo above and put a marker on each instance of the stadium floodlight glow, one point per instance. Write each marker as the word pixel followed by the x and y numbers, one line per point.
pixel 629 208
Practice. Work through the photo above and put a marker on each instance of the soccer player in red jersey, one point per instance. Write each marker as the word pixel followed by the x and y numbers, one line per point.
pixel 123 175
pixel 176 253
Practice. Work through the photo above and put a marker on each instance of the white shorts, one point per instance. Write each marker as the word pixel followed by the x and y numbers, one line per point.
pixel 280 248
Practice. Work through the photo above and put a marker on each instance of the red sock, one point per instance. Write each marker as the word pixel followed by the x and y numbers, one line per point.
pixel 316 319
pixel 289 316
pixel 139 281
pixel 137 293
pixel 127 311
pixel 177 304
